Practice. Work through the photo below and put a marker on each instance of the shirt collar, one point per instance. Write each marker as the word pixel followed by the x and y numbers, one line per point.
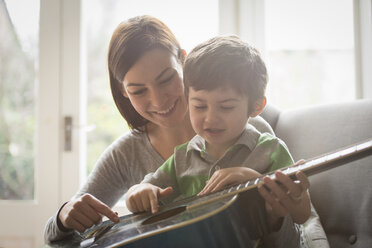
pixel 196 143
pixel 249 137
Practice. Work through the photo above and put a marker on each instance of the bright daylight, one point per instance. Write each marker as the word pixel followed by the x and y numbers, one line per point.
pixel 172 123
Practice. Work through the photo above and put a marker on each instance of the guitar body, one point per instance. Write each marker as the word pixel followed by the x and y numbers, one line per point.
pixel 233 221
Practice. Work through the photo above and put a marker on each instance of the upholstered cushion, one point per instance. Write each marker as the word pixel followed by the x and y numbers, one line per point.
pixel 342 196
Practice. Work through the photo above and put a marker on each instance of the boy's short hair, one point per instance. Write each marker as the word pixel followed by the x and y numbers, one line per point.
pixel 226 61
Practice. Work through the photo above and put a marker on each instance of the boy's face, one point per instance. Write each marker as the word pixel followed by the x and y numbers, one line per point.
pixel 219 115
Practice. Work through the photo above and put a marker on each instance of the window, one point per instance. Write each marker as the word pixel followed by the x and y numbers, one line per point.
pixel 309 52
pixel 18 72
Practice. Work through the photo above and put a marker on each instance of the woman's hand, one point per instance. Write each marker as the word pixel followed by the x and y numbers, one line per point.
pixel 83 212
pixel 228 176
pixel 144 197
pixel 288 197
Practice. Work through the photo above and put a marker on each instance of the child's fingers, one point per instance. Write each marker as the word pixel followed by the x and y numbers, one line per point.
pixel 165 192
pixel 133 204
pixel 221 183
pixel 153 203
pixel 208 189
pixel 138 201
pixel 145 200
pixel 210 184
pixel 202 192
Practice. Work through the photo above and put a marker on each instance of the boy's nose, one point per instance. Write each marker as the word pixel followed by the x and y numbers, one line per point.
pixel 211 116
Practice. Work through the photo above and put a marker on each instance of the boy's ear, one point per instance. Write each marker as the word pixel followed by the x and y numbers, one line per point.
pixel 259 107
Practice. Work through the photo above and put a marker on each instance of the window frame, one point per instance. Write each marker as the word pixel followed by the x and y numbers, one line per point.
pixel 246 19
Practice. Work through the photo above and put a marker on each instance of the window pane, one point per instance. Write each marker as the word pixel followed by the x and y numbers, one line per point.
pixel 19 33
pixel 309 51
pixel 100 18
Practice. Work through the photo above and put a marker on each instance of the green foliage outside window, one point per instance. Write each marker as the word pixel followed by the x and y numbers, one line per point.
pixel 17 116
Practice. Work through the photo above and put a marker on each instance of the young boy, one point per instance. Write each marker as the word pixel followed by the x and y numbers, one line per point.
pixel 225 81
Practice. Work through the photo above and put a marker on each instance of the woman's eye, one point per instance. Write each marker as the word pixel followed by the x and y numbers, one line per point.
pixel 138 92
pixel 167 80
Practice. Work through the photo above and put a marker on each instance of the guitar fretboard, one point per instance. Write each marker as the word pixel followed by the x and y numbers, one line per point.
pixel 311 167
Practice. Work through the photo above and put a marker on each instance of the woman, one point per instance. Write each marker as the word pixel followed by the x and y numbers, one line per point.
pixel 145 67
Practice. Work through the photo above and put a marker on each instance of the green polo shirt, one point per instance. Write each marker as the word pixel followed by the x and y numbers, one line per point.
pixel 188 169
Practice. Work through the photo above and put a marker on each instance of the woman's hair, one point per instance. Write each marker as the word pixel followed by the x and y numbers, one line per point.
pixel 129 42
pixel 226 61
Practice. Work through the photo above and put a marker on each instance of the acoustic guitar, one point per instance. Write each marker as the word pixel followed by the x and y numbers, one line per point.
pixel 233 217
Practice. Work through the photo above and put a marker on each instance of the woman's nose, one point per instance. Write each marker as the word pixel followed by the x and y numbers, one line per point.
pixel 157 98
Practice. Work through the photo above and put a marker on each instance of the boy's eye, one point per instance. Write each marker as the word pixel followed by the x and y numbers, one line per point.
pixel 200 107
pixel 227 107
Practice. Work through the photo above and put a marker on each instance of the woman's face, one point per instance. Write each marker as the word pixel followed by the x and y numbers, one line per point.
pixel 155 88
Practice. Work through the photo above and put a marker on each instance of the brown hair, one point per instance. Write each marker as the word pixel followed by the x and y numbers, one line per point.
pixel 226 61
pixel 131 40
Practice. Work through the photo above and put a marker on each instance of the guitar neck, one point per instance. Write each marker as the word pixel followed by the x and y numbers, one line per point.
pixel 333 159
pixel 312 166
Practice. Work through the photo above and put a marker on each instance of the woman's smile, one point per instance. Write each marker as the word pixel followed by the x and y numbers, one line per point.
pixel 166 112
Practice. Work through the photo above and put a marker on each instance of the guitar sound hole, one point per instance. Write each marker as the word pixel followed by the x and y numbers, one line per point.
pixel 164 215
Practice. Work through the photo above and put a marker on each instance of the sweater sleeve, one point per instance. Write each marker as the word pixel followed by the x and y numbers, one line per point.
pixel 288 236
pixel 313 234
pixel 123 164
pixel 103 183
pixel 54 230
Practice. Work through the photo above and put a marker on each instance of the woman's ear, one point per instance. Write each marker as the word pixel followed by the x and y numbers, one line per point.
pixel 182 55
pixel 184 52
pixel 259 107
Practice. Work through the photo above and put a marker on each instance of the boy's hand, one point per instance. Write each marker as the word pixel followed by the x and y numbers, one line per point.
pixel 144 197
pixel 228 176
pixel 288 198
